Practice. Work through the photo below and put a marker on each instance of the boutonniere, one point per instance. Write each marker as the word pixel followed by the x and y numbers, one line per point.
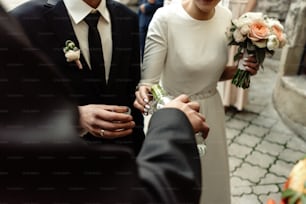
pixel 72 53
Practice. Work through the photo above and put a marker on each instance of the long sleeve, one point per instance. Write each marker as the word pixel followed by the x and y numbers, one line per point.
pixel 168 162
pixel 155 49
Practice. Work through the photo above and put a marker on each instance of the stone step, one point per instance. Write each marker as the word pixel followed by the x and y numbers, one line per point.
pixel 289 99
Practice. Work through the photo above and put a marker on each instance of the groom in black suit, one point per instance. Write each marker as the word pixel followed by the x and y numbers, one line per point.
pixel 103 94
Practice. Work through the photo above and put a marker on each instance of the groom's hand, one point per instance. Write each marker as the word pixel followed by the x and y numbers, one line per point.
pixel 107 121
pixel 191 110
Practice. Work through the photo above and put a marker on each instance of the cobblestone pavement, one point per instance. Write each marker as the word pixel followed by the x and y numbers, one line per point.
pixel 262 150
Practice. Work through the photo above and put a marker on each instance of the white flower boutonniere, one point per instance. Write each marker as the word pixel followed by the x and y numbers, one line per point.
pixel 72 53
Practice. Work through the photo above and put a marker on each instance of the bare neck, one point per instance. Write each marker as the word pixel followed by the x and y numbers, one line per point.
pixel 93 3
pixel 196 12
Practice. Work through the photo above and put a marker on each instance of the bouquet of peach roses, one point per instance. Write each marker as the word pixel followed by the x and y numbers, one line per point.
pixel 294 190
pixel 257 34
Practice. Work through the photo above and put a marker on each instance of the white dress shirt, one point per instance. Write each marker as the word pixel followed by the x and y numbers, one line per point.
pixel 78 10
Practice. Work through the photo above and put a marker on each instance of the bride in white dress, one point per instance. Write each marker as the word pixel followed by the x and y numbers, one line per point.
pixel 186 52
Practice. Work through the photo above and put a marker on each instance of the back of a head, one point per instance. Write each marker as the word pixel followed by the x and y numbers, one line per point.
pixel 30 86
pixel 43 159
pixel 37 119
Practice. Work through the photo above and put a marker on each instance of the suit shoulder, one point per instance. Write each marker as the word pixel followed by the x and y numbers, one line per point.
pixel 120 9
pixel 30 8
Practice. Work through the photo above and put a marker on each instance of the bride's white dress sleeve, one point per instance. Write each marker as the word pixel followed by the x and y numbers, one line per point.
pixel 155 49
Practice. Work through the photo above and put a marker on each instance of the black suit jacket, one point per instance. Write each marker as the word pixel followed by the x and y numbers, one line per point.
pixel 49 27
pixel 43 161
pixel 52 167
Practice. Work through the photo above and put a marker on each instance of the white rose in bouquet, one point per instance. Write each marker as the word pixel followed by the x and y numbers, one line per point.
pixel 273 42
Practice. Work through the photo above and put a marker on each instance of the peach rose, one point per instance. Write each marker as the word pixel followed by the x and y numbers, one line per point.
pixel 258 31
pixel 283 41
pixel 278 32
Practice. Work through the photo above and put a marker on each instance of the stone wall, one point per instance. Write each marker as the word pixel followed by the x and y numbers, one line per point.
pixel 274 8
pixel 289 93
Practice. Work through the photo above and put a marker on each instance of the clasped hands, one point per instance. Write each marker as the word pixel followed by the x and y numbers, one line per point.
pixel 182 102
pixel 111 121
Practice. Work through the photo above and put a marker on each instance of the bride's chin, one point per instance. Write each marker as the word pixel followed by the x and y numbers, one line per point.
pixel 206 3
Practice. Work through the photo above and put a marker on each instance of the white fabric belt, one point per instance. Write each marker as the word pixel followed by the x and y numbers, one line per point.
pixel 239 1
pixel 204 94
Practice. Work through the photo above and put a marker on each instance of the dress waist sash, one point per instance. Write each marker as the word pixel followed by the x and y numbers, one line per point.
pixel 205 93
pixel 239 1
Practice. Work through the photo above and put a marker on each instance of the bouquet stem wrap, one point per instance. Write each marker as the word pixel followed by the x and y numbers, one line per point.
pixel 242 77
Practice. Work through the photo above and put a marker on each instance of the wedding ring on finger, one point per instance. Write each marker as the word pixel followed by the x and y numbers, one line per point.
pixel 102 132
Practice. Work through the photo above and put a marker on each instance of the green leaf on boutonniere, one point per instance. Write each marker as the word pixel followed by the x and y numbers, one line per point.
pixel 72 53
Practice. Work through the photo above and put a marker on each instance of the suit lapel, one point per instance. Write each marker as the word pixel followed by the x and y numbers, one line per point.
pixel 59 22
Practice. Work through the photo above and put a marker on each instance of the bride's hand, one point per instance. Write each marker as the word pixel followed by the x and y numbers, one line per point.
pixel 251 64
pixel 143 98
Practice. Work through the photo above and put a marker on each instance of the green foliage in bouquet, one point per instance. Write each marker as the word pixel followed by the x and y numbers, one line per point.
pixel 294 191
pixel 292 196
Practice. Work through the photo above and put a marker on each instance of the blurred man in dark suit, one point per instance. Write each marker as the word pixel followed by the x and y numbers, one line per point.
pixel 146 11
pixel 43 161
pixel 103 79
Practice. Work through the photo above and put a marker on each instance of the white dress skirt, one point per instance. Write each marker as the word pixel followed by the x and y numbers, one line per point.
pixel 188 56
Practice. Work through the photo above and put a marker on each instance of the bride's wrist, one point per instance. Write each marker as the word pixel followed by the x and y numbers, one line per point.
pixel 149 85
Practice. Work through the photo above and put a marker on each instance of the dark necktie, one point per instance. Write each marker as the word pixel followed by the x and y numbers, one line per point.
pixel 95 47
